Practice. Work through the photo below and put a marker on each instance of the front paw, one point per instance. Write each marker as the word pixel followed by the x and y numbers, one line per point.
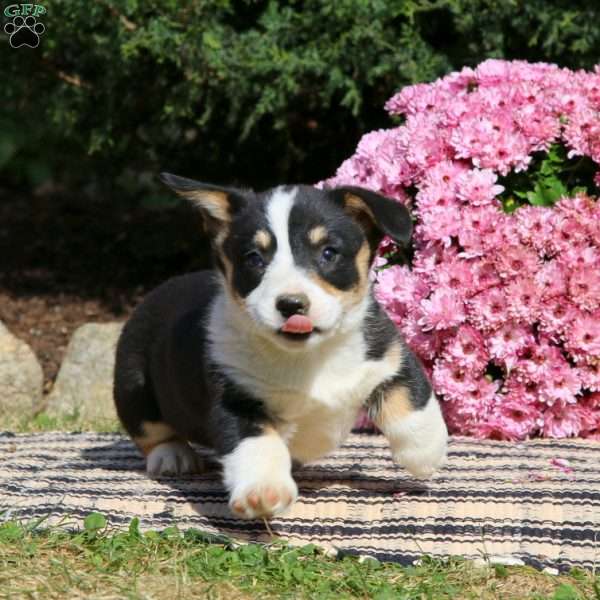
pixel 419 442
pixel 422 461
pixel 263 498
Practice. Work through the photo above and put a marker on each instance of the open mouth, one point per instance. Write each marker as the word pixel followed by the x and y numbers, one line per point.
pixel 298 328
pixel 297 337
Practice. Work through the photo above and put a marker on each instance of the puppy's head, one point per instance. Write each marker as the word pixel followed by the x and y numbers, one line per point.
pixel 296 259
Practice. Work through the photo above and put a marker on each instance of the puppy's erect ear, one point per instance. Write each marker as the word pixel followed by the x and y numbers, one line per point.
pixel 217 204
pixel 378 215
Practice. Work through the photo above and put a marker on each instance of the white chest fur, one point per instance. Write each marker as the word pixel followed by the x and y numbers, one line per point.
pixel 313 397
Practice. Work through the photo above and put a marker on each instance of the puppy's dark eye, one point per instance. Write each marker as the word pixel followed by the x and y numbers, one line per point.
pixel 254 259
pixel 329 254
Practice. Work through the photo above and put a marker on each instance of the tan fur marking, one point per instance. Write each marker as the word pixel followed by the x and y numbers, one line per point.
pixel 153 435
pixel 262 239
pixel 317 235
pixel 362 264
pixel 214 202
pixel 357 293
pixel 355 205
pixel 394 407
pixel 394 355
pixel 228 267
pixel 269 430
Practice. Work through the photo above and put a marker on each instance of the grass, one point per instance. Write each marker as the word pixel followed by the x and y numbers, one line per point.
pixel 37 562
pixel 45 422
pixel 97 562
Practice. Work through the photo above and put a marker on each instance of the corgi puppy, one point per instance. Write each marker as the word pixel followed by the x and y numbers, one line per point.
pixel 268 359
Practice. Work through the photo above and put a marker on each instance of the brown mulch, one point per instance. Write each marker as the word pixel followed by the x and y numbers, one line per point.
pixel 66 261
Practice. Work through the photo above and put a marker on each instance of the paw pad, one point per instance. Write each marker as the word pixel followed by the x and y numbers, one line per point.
pixel 24 31
pixel 263 501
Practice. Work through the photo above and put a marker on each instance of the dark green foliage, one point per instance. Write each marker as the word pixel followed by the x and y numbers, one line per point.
pixel 550 176
pixel 251 91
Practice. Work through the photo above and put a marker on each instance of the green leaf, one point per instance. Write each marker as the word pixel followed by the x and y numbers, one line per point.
pixel 210 40
pixel 94 521
pixel 565 592
pixel 547 192
pixel 501 571
pixel 134 527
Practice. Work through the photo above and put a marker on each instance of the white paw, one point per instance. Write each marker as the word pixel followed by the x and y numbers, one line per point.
pixel 173 458
pixel 263 498
pixel 419 442
pixel 422 461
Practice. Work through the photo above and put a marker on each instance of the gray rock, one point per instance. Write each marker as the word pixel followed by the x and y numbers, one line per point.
pixel 21 377
pixel 84 386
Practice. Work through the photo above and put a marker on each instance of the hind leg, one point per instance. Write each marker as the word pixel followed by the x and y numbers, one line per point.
pixel 166 453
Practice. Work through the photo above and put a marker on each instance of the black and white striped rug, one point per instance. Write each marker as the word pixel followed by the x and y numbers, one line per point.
pixel 537 501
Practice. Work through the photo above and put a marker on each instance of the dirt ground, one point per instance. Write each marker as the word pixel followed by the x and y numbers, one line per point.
pixel 65 261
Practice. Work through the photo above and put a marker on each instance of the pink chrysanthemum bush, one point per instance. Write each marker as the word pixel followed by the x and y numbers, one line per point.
pixel 501 296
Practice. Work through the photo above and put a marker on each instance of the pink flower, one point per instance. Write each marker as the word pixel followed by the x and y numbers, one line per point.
pixel 442 310
pixel 556 316
pixel 466 349
pixel 584 287
pixel 514 295
pixel 479 225
pixel 453 381
pixel 524 300
pixel 590 414
pixel 456 275
pixel 583 338
pixel 562 421
pixel 551 280
pixel 590 377
pixel 399 289
pixel 478 187
pixel 561 386
pixel 485 275
pixel 538 361
pixel 517 261
pixel 488 309
pixel 511 420
pixel 508 341
pixel 534 227
pixel 425 344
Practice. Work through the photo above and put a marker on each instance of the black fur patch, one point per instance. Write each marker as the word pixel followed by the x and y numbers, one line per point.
pixel 390 217
pixel 312 208
pixel 161 371
pixel 410 376
pixel 378 331
pixel 240 241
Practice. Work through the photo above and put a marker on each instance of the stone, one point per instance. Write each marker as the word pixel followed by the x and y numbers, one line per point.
pixel 21 377
pixel 84 386
pixel 497 559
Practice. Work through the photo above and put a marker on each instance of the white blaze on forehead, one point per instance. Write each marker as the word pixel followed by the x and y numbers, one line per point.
pixel 278 214
pixel 284 276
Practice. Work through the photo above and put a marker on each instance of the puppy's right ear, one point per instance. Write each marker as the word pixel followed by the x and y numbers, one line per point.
pixel 217 204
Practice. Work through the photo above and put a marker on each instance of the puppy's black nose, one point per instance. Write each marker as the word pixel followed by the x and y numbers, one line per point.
pixel 294 304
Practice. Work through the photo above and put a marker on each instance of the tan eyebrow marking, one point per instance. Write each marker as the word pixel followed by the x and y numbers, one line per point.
pixel 317 235
pixel 262 239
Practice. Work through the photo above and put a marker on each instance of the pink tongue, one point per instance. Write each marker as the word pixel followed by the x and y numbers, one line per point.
pixel 297 324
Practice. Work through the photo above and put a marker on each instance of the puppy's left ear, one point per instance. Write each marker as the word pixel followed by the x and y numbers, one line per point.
pixel 377 215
